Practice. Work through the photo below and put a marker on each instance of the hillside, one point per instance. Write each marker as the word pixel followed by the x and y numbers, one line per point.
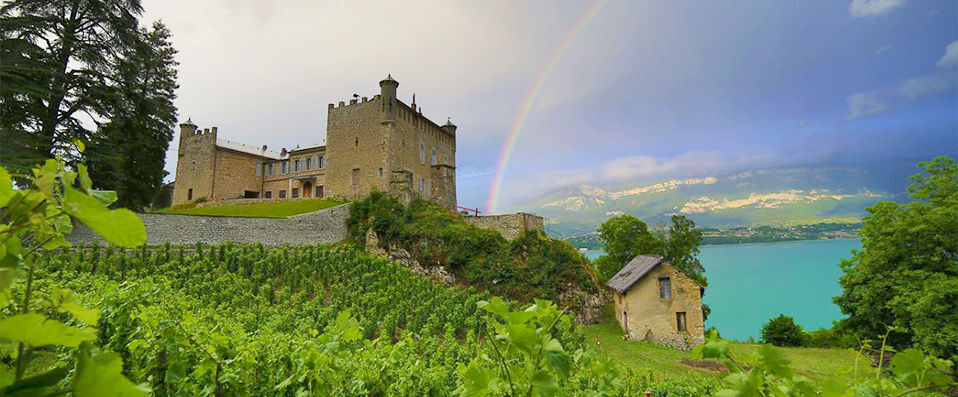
pixel 799 194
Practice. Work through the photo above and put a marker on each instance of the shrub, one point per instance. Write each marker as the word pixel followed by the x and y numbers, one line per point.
pixel 828 338
pixel 782 331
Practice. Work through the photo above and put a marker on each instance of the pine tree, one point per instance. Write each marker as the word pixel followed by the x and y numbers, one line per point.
pixel 127 153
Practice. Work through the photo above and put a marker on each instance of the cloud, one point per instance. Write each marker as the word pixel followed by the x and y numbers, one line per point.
pixel 916 87
pixel 951 56
pixel 635 167
pixel 873 8
pixel 864 104
pixel 882 49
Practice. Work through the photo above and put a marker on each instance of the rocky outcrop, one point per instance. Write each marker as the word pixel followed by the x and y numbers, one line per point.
pixel 586 307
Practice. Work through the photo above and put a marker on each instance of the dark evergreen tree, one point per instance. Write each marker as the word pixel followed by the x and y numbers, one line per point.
pixel 57 67
pixel 127 153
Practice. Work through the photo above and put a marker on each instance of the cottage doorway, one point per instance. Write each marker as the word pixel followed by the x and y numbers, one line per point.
pixel 625 322
pixel 307 189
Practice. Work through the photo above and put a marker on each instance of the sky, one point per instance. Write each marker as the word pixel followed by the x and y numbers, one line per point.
pixel 605 92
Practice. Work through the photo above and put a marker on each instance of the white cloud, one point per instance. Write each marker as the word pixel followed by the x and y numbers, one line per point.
pixel 864 104
pixel 951 55
pixel 634 167
pixel 916 87
pixel 873 8
pixel 882 50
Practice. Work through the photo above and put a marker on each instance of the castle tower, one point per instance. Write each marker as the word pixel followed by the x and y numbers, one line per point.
pixel 195 164
pixel 387 89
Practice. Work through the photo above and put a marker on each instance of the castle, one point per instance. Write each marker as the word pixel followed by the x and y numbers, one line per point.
pixel 371 144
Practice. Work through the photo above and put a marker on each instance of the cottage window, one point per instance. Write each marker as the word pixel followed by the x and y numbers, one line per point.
pixel 282 193
pixel 680 321
pixel 189 194
pixel 665 290
pixel 355 177
pixel 620 298
pixel 295 192
pixel 269 194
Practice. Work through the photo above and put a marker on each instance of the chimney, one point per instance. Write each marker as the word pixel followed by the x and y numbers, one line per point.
pixel 283 152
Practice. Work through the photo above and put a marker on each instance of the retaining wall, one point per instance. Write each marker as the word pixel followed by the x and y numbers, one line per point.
pixel 509 225
pixel 323 226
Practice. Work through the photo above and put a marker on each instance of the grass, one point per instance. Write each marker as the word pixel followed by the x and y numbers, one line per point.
pixel 666 362
pixel 279 209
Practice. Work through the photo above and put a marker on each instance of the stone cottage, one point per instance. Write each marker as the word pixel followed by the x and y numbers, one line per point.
pixel 656 302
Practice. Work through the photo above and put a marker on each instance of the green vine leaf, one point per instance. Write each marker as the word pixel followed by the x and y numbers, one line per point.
pixel 99 373
pixel 36 330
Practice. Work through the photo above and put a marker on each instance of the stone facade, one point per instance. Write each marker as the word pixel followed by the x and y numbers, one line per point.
pixel 378 144
pixel 324 226
pixel 509 225
pixel 644 315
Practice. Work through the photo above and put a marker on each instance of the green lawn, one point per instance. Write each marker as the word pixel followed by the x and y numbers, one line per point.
pixel 666 362
pixel 280 209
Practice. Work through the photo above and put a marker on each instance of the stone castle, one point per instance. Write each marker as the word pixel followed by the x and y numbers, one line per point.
pixel 371 144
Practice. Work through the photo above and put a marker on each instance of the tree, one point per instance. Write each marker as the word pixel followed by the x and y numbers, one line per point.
pixel 905 277
pixel 127 153
pixel 625 237
pixel 57 65
pixel 782 331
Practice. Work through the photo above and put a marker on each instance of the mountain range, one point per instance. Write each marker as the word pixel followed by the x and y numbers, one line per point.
pixel 778 195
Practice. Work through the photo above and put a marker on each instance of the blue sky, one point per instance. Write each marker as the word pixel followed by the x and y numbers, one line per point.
pixel 649 91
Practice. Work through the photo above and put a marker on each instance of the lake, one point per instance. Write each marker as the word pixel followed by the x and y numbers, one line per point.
pixel 751 283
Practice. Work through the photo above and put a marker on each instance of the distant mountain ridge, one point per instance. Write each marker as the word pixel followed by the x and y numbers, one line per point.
pixel 790 194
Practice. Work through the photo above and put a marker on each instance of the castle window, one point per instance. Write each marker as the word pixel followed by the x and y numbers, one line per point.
pixel 269 194
pixel 429 188
pixel 435 159
pixel 380 172
pixel 680 321
pixel 422 184
pixel 295 192
pixel 355 177
pixel 357 141
pixel 282 193
pixel 321 163
pixel 665 290
pixel 422 153
pixel 319 191
pixel 192 165
pixel 272 170
pixel 259 169
pixel 309 163
pixel 296 165
pixel 189 194
pixel 285 168
pixel 445 159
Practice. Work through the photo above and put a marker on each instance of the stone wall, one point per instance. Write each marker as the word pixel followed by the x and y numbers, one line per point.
pixel 644 315
pixel 509 225
pixel 324 226
pixel 355 144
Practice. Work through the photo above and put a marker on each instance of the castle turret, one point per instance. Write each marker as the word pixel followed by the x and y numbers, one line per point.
pixel 449 127
pixel 389 105
pixel 187 129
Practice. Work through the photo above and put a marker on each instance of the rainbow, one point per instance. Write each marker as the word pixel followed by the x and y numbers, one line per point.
pixel 509 144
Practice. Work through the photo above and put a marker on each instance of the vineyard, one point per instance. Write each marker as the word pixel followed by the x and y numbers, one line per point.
pixel 313 320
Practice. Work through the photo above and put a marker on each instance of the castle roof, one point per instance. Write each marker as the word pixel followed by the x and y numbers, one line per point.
pixel 243 148
pixel 637 268
pixel 317 145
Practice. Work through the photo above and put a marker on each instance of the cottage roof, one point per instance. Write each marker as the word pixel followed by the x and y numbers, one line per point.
pixel 633 272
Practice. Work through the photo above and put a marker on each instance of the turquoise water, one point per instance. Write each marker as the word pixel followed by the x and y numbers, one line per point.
pixel 751 283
